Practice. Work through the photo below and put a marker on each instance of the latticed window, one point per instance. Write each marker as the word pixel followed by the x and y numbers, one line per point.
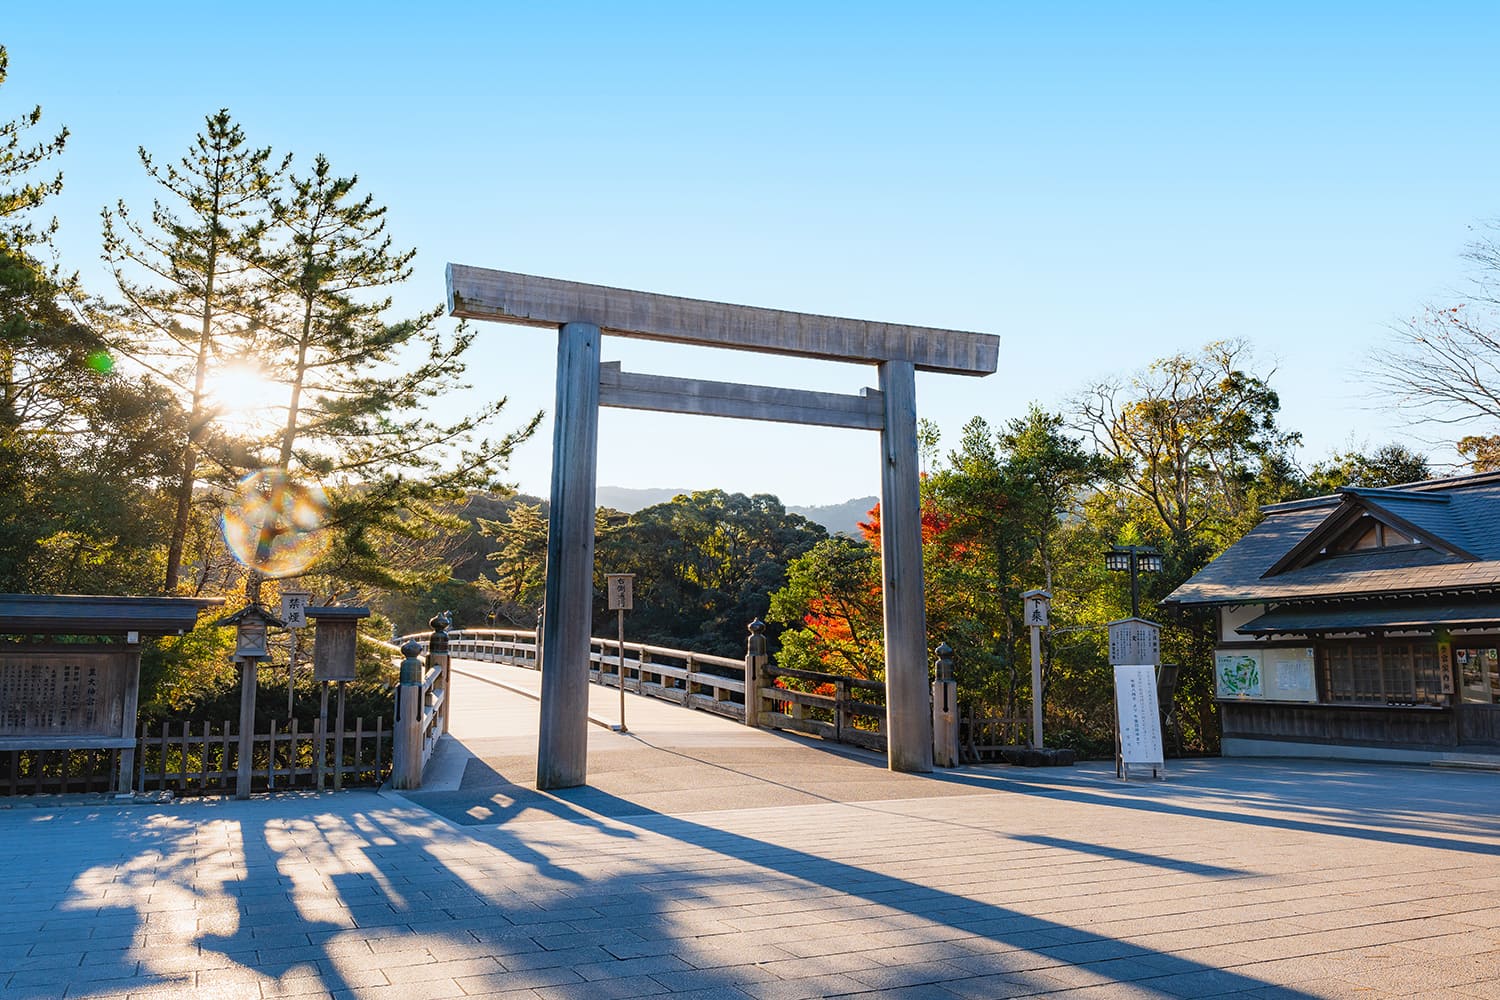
pixel 1383 673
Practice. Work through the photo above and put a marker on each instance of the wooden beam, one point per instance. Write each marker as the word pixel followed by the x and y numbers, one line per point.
pixel 507 297
pixel 627 390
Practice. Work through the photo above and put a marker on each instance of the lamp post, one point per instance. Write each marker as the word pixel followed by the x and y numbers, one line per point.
pixel 1038 603
pixel 1134 559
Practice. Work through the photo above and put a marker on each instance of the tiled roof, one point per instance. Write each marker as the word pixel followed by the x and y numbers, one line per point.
pixel 1468 520
pixel 1305 619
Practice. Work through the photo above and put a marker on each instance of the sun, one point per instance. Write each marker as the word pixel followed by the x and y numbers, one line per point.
pixel 244 398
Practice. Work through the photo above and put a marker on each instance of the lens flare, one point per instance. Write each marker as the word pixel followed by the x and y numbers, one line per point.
pixel 101 362
pixel 274 523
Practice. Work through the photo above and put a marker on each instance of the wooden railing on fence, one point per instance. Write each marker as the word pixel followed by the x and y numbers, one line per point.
pixel 704 681
pixel 187 757
pixel 851 714
pixel 434 703
pixel 983 739
pixel 695 680
pixel 854 713
pixel 422 707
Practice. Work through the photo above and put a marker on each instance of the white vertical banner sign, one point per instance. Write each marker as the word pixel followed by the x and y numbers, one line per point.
pixel 1137 720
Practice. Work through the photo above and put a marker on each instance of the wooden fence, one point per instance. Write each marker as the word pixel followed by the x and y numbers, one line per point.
pixel 195 758
pixel 39 771
pixel 984 739
pixel 188 759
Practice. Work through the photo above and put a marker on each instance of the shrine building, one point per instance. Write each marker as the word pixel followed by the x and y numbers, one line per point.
pixel 1362 625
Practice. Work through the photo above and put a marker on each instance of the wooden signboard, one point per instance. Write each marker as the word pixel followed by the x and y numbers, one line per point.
pixel 1134 640
pixel 61 694
pixel 621 590
pixel 336 642
pixel 294 607
pixel 334 651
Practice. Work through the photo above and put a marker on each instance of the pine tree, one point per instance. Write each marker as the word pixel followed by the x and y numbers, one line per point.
pixel 187 278
pixel 42 346
pixel 357 402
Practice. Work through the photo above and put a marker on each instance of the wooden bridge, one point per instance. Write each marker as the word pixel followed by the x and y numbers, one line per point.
pixel 828 706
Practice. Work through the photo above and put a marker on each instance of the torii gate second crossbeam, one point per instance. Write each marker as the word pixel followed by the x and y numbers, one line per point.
pixel 582 314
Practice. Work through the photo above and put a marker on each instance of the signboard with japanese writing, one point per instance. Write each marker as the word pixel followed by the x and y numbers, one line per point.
pixel 1036 612
pixel 294 607
pixel 621 587
pixel 65 693
pixel 1134 640
pixel 1137 717
pixel 1290 674
pixel 1274 674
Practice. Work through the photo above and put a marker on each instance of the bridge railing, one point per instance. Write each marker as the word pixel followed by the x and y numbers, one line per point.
pixel 695 680
pixel 829 706
pixel 422 706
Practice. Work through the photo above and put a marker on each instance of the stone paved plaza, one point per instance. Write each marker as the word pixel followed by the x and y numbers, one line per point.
pixel 709 861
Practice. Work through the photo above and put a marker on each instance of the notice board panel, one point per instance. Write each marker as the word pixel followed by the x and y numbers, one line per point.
pixel 1137 717
pixel 1291 674
pixel 57 694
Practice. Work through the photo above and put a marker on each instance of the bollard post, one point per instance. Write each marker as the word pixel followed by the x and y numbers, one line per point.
pixel 437 656
pixel 406 749
pixel 944 710
pixel 755 662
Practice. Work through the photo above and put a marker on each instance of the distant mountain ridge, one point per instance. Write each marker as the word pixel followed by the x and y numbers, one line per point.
pixel 839 518
pixel 836 518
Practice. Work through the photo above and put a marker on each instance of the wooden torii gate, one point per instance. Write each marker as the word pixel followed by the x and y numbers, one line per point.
pixel 582 313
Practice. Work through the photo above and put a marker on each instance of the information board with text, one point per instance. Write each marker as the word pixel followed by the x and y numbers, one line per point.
pixel 1138 720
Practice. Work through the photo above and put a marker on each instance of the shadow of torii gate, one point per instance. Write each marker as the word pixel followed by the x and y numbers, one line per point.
pixel 582 313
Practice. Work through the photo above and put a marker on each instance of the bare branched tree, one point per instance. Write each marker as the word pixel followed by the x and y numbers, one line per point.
pixel 1443 365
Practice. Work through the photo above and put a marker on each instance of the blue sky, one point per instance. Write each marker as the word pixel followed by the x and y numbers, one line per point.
pixel 1099 184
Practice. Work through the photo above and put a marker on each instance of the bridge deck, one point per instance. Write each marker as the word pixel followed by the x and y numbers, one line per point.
pixel 672 761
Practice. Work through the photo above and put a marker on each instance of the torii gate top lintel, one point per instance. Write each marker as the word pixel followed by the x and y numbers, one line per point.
pixel 507 297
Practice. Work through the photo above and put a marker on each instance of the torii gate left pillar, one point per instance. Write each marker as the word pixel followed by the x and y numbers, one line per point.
pixel 581 313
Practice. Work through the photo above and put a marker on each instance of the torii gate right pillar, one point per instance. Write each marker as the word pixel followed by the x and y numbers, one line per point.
pixel 908 715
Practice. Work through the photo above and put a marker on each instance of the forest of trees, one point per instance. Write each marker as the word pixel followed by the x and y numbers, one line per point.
pixel 128 465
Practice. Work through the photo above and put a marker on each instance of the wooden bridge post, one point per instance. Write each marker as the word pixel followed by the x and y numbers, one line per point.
pixel 406 734
pixel 908 717
pixel 944 710
pixel 755 662
pixel 562 750
pixel 438 656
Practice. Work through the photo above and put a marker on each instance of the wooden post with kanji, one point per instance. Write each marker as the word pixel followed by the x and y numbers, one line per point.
pixel 621 591
pixel 1038 603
